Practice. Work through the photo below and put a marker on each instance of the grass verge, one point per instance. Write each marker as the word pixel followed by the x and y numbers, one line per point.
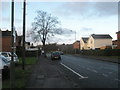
pixel 21 75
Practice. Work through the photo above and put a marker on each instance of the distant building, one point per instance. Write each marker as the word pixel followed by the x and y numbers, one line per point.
pixel 116 43
pixel 27 45
pixel 83 43
pixel 76 45
pixel 6 40
pixel 96 41
pixel 20 40
pixel 105 47
pixel 20 43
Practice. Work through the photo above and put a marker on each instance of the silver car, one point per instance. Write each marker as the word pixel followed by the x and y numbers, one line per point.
pixel 8 56
pixel 4 67
pixel 4 63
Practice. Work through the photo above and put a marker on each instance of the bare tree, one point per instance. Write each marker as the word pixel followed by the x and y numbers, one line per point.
pixel 44 26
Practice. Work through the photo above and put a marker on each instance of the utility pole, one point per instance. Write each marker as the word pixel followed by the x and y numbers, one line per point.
pixel 12 67
pixel 24 14
pixel 75 40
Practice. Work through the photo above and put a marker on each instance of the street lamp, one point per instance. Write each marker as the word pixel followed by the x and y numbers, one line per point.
pixel 75 38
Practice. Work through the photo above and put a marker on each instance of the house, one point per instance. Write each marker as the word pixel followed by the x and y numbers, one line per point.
pixel 105 47
pixel 83 43
pixel 20 40
pixel 6 40
pixel 27 45
pixel 116 43
pixel 20 43
pixel 99 40
pixel 76 45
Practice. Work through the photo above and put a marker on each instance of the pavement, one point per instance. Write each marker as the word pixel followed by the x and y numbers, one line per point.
pixel 48 74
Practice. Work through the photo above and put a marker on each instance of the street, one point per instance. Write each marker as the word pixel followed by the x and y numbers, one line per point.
pixel 73 72
pixel 92 73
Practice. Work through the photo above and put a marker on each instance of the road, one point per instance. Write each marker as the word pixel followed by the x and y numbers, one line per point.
pixel 91 73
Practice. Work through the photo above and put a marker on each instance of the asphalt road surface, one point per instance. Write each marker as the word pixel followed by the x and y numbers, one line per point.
pixel 91 73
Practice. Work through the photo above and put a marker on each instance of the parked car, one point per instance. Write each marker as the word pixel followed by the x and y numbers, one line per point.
pixel 4 67
pixel 8 56
pixel 55 55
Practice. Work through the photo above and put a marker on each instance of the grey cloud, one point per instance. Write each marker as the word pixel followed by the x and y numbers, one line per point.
pixel 106 8
pixel 67 32
pixel 87 9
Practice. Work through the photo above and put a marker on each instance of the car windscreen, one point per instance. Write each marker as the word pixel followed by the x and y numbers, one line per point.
pixel 4 54
pixel 56 53
pixel 5 60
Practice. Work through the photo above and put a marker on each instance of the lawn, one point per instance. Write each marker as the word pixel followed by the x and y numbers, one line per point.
pixel 21 75
pixel 28 60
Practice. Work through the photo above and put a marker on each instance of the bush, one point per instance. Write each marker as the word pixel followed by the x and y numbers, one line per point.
pixel 27 53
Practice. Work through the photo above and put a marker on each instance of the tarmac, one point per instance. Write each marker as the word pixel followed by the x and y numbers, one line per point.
pixel 48 74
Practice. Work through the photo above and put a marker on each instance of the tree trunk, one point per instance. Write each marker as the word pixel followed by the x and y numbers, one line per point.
pixel 44 48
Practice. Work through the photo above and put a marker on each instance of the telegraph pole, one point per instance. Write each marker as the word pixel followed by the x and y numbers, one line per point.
pixel 12 67
pixel 75 40
pixel 24 13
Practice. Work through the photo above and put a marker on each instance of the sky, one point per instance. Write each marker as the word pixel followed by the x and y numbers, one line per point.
pixel 78 19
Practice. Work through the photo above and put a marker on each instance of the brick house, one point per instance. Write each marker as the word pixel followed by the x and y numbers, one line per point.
pixel 6 40
pixel 76 45
pixel 116 43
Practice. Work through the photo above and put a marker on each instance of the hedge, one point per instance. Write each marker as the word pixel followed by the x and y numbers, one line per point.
pixel 109 52
pixel 27 53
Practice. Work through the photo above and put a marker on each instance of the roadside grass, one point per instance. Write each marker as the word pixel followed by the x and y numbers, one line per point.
pixel 21 75
pixel 29 60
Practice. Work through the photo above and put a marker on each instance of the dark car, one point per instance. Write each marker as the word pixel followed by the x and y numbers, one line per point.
pixel 55 55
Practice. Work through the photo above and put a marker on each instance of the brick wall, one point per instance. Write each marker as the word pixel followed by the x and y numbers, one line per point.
pixel 118 40
pixel 6 43
pixel 118 35
pixel 76 45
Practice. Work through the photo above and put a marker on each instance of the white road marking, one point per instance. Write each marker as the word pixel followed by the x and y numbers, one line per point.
pixel 73 71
